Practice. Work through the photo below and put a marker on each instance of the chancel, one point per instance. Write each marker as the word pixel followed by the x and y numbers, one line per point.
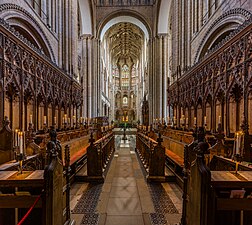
pixel 126 112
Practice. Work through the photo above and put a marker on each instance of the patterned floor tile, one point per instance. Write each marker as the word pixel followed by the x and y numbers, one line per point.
pixel 90 219
pixel 161 200
pixel 89 199
pixel 158 219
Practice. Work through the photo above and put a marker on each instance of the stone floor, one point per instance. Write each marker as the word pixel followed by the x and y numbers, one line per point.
pixel 126 198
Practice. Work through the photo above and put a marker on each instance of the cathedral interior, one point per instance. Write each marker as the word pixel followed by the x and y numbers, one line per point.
pixel 126 112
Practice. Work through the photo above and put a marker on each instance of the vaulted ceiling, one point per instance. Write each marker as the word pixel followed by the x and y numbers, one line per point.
pixel 125 41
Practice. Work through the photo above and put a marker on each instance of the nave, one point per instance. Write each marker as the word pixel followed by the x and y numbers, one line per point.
pixel 125 198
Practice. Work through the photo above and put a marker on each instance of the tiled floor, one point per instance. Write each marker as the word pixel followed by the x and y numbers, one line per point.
pixel 125 198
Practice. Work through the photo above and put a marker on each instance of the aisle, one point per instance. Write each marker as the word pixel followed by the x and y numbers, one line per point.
pixel 125 198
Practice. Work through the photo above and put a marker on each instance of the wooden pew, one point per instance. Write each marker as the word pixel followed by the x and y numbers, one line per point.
pixel 152 156
pixel 99 154
pixel 77 139
pixel 51 184
pixel 207 194
pixel 174 143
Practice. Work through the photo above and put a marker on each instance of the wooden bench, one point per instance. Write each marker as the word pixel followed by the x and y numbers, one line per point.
pixel 177 160
pixel 78 153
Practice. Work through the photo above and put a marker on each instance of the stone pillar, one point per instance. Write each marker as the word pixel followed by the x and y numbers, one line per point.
pixel 158 79
pixel 151 80
pixel 74 38
pixel 87 70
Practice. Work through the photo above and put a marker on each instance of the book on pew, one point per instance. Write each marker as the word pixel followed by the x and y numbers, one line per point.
pixel 237 193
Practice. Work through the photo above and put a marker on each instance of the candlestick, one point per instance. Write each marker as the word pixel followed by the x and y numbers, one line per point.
pixel 31 118
pixel 44 119
pixel 55 119
pixel 219 121
pixel 195 121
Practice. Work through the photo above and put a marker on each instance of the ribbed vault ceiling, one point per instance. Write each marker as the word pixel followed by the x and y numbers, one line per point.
pixel 125 41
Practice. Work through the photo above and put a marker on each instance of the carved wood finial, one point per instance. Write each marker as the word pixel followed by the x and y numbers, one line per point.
pixel 201 134
pixel 6 122
pixel 67 155
pixel 160 139
pixel 53 134
pixel 91 140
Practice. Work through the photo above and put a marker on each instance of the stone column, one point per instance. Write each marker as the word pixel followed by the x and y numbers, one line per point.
pixel 74 39
pixel 159 77
pixel 151 73
pixel 87 70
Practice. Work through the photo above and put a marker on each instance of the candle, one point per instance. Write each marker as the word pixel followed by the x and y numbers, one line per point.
pixel 219 121
pixel 186 120
pixel 44 119
pixel 205 123
pixel 16 137
pixel 236 143
pixel 236 166
pixel 31 118
pixel 195 121
pixel 183 119
pixel 55 118
pixel 20 134
pixel 74 119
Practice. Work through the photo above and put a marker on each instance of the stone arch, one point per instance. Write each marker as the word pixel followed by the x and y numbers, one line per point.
pixel 126 16
pixel 163 17
pixel 18 18
pixel 220 29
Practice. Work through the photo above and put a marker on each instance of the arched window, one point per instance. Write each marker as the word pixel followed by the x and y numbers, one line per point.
pixel 125 71
pixel 125 76
pixel 115 71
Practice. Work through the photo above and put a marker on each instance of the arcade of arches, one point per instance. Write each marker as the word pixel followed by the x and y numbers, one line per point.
pixel 164 70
